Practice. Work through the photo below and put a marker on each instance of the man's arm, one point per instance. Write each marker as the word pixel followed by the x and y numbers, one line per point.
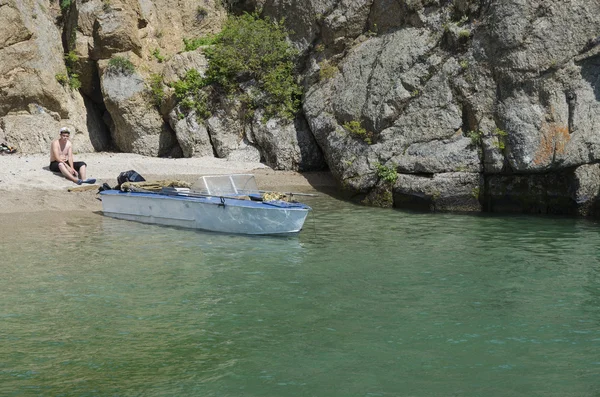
pixel 70 155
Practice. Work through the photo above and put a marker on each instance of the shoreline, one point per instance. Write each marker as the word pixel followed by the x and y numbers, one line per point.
pixel 26 184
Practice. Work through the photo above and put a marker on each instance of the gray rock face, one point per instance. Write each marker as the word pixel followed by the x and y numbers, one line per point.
pixel 138 127
pixel 455 191
pixel 192 136
pixel 399 89
pixel 228 133
pixel 287 145
pixel 115 32
pixel 483 97
pixel 176 68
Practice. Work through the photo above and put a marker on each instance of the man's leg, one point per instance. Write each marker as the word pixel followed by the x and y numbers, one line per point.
pixel 63 169
pixel 81 171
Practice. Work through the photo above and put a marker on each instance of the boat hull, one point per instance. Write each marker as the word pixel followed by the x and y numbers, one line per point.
pixel 216 214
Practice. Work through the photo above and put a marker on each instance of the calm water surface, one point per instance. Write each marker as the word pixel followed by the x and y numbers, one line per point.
pixel 364 302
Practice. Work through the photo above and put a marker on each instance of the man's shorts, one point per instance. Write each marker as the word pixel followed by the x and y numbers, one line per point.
pixel 77 165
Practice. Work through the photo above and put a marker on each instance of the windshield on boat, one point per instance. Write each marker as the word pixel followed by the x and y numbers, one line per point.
pixel 223 185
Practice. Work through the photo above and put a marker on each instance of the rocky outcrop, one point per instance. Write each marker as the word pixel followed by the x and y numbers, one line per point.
pixel 446 105
pixel 228 133
pixel 285 145
pixel 33 104
pixel 137 126
pixel 192 135
pixel 475 88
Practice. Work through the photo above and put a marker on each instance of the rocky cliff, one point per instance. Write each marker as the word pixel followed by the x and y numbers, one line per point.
pixel 448 105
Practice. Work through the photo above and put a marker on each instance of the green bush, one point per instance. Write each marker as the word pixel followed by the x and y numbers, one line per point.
pixel 194 44
pixel 502 137
pixel 189 85
pixel 65 5
pixel 327 70
pixel 476 137
pixel 199 104
pixel 190 94
pixel 119 64
pixel 74 81
pixel 62 79
pixel 71 59
pixel 159 57
pixel 386 174
pixel 355 129
pixel 156 89
pixel 250 48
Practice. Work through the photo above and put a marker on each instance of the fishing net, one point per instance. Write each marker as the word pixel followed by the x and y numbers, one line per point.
pixel 153 186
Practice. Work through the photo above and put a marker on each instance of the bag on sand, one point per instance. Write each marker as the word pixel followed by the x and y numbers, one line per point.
pixel 129 176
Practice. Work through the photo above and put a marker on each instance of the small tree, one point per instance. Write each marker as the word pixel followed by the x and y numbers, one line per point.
pixel 119 64
pixel 251 48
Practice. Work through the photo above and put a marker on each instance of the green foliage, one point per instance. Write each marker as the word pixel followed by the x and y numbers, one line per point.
pixel 71 59
pixel 373 32
pixel 320 47
pixel 74 81
pixel 190 94
pixel 502 137
pixel 65 5
pixel 476 137
pixel 156 89
pixel 386 174
pixel 253 49
pixel 415 93
pixel 62 79
pixel 194 44
pixel 122 65
pixel 156 53
pixel 464 64
pixel 355 129
pixel 199 104
pixel 106 6
pixel 71 78
pixel 327 70
pixel 464 33
pixel 189 85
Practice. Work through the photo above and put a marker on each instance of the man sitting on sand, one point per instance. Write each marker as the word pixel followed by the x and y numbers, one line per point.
pixel 61 159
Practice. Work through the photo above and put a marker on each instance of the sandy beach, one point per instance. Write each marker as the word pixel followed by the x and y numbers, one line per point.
pixel 26 184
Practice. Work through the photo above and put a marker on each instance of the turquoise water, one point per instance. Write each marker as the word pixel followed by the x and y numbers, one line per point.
pixel 364 302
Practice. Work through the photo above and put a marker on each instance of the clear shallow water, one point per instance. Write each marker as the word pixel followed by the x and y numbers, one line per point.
pixel 364 302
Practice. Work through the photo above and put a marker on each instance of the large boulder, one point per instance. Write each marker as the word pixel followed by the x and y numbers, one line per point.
pixel 138 126
pixel 191 133
pixel 287 145
pixel 399 90
pixel 228 133
pixel 33 104
pixel 31 56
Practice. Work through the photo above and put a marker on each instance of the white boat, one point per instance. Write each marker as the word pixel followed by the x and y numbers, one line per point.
pixel 223 203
